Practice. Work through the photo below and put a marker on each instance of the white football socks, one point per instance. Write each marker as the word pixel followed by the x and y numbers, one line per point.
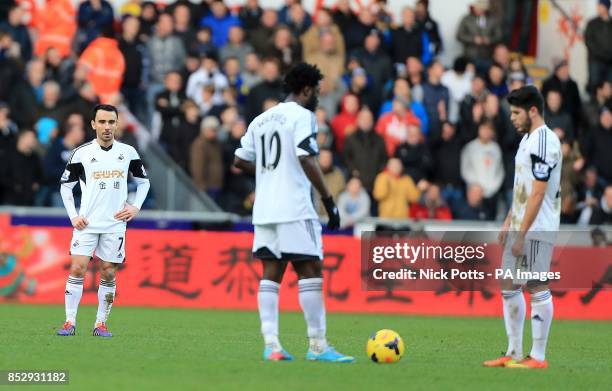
pixel 541 319
pixel 267 299
pixel 313 306
pixel 74 291
pixel 106 297
pixel 514 320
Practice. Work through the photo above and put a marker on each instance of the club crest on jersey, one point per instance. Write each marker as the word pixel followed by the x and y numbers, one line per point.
pixel 106 174
pixel 120 157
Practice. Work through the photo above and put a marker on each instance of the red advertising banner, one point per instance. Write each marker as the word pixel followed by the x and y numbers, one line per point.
pixel 203 269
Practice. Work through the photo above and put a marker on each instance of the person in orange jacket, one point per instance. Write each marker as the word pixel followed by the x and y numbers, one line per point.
pixel 104 65
pixel 56 25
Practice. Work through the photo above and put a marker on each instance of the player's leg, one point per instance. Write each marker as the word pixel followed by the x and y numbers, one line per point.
pixel 111 251
pixel 265 247
pixel 81 249
pixel 301 242
pixel 539 257
pixel 514 309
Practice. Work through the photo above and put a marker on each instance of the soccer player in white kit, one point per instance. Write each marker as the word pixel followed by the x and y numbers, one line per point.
pixel 101 167
pixel 280 148
pixel 529 231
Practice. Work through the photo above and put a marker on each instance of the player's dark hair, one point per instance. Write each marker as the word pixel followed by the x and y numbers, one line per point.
pixel 527 97
pixel 104 108
pixel 300 76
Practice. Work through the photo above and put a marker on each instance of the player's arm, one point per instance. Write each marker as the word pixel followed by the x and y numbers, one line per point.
pixel 307 150
pixel 74 170
pixel 139 174
pixel 244 156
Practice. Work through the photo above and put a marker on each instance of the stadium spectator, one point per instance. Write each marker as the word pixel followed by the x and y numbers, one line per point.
pixel 10 66
pixel 353 203
pixel 82 103
pixel 231 70
pixel 482 164
pixel 250 15
pixel 477 96
pixel 50 106
pixel 407 39
pixel 393 126
pixel 598 144
pixel 588 194
pixel 458 81
pixel 365 154
pixel 446 162
pixel 479 32
pixel 166 53
pixel 602 213
pixel 501 56
pixel 186 133
pixel 394 191
pixel 59 69
pixel 15 26
pixel 219 21
pixel 597 37
pixel 325 138
pixel 429 26
pixel 27 94
pixel 298 19
pixel 238 186
pixel 356 28
pixel 135 77
pixel 236 46
pixel 572 163
pixel 206 158
pixel 414 75
pixel 345 122
pixel 250 73
pixel 332 176
pixel 269 87
pixel 260 37
pixel 8 130
pixel 561 81
pixel 431 206
pixel 183 27
pixel 208 74
pixel 375 61
pixel 58 156
pixel 473 208
pixel 130 8
pixel 601 98
pixel 328 58
pixel 104 66
pixel 21 171
pixel 95 18
pixel 56 25
pixel 149 15
pixel 323 23
pixel 168 104
pixel 556 119
pixel 401 90
pixel 331 95
pixel 415 156
pixel 497 81
pixel 204 44
pixel 285 48
pixel 436 97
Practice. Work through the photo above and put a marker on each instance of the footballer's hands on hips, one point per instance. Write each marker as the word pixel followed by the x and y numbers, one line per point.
pixel 518 245
pixel 79 222
pixel 127 213
pixel 332 213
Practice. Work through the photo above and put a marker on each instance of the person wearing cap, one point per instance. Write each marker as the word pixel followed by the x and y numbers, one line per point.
pixel 479 32
pixel 206 158
pixel 597 37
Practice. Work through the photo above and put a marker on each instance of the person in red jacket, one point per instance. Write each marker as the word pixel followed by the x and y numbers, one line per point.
pixel 345 122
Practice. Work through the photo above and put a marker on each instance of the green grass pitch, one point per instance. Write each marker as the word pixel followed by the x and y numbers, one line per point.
pixel 174 349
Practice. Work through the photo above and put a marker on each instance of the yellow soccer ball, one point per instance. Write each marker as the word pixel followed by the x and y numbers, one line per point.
pixel 385 346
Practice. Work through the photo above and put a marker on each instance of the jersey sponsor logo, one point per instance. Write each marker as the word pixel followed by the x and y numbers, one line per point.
pixel 106 174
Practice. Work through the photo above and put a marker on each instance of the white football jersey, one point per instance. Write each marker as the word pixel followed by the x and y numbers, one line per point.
pixel 102 174
pixel 538 158
pixel 274 141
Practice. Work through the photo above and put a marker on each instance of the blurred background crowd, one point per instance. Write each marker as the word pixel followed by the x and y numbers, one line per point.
pixel 401 135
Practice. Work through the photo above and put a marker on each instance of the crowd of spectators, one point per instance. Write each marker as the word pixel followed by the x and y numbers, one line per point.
pixel 401 136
